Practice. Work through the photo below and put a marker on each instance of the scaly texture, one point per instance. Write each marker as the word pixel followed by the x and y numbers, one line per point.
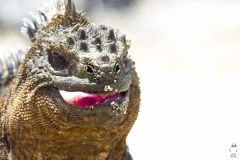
pixel 69 56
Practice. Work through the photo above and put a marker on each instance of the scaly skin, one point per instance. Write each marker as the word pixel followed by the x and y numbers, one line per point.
pixel 72 55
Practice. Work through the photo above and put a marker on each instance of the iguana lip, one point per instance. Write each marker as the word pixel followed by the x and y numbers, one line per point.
pixel 88 100
pixel 121 84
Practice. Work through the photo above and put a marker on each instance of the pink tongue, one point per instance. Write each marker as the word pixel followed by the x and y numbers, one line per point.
pixel 85 99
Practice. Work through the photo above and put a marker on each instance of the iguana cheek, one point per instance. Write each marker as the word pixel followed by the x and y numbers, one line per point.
pixel 86 99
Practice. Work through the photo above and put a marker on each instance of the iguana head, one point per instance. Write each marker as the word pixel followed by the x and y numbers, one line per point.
pixel 83 69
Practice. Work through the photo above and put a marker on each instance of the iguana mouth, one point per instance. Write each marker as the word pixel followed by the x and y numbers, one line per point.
pixel 88 100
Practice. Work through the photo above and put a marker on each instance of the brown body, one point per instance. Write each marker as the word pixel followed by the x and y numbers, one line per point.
pixel 38 124
pixel 34 130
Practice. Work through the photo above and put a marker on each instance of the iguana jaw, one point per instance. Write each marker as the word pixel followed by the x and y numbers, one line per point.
pixel 113 107
pixel 73 83
pixel 88 100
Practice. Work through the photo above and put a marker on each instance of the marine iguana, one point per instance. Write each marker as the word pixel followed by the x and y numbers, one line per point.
pixel 76 94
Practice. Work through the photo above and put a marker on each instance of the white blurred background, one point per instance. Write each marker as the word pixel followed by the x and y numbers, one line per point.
pixel 188 58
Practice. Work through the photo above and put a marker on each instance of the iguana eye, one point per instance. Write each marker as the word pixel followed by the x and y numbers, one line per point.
pixel 57 61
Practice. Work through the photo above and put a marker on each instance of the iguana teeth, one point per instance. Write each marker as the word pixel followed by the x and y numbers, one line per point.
pixel 108 87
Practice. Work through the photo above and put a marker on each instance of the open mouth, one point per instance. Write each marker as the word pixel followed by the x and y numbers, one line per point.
pixel 87 100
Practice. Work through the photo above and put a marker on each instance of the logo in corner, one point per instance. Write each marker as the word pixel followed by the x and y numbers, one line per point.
pixel 233 150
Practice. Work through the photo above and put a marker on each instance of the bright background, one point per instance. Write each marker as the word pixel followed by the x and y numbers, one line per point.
pixel 187 55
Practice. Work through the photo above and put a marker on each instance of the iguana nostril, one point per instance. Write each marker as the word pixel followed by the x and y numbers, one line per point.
pixel 90 69
pixel 117 68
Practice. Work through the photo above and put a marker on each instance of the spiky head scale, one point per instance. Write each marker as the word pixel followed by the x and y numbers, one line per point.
pixel 59 14
pixel 52 15
pixel 83 40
